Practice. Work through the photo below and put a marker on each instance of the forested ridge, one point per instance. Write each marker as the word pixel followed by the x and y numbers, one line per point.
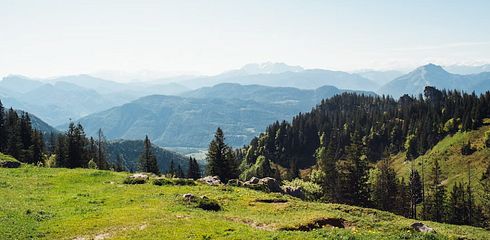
pixel 341 151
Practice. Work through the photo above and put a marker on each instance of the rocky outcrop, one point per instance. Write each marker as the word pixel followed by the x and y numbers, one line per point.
pixel 293 191
pixel 210 180
pixel 420 227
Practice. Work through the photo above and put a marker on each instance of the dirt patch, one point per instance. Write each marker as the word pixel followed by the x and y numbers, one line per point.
pixel 272 200
pixel 319 223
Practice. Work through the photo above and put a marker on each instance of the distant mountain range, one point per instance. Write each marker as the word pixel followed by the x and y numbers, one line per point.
pixel 58 100
pixel 190 120
pixel 303 79
pixel 414 82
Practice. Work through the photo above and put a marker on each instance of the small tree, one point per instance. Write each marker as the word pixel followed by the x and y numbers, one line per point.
pixel 148 162
pixel 193 171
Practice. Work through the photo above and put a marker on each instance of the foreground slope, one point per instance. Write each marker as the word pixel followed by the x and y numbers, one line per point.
pixel 85 204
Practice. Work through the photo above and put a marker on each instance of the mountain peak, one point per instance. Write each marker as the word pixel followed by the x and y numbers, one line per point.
pixel 270 67
pixel 431 68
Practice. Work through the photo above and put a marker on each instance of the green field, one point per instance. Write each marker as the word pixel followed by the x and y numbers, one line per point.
pixel 92 204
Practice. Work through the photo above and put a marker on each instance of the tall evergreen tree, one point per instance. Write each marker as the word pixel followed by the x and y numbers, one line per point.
pixel 193 170
pixel 14 141
pixel 436 199
pixel 326 163
pixel 180 172
pixel 220 158
pixel 172 171
pixel 415 187
pixel 148 161
pixel 385 188
pixel 3 130
pixel 37 147
pixel 101 158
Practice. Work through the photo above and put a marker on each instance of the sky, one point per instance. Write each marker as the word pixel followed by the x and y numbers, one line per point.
pixel 52 38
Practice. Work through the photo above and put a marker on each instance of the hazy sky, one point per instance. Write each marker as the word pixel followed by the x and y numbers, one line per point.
pixel 46 38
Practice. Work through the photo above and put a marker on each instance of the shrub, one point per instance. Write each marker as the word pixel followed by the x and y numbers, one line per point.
pixel 183 182
pixel 162 181
pixel 487 139
pixel 208 204
pixel 311 190
pixel 8 161
pixel 130 180
pixel 174 181
pixel 92 165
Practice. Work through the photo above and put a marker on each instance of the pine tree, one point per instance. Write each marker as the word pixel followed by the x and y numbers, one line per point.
pixel 26 138
pixel 101 158
pixel 147 161
pixel 355 186
pixel 326 163
pixel 436 203
pixel 457 207
pixel 193 170
pixel 61 151
pixel 485 197
pixel 76 142
pixel 37 147
pixel 3 130
pixel 180 172
pixel 415 187
pixel 385 188
pixel 14 142
pixel 171 169
pixel 403 199
pixel 221 161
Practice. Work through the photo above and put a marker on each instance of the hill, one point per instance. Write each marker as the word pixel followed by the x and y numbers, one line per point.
pixel 190 121
pixel 454 165
pixel 130 150
pixel 414 82
pixel 93 204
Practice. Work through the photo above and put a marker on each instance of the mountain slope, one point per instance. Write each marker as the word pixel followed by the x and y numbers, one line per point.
pixel 432 75
pixel 93 204
pixel 241 110
pixel 454 165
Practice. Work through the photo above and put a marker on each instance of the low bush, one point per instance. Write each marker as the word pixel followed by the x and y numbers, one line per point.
pixel 311 190
pixel 174 181
pixel 208 204
pixel 129 180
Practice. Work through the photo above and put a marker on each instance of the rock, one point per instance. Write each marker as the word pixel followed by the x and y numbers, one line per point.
pixel 204 197
pixel 270 183
pixel 189 197
pixel 253 180
pixel 210 180
pixel 420 227
pixel 9 164
pixel 295 192
pixel 141 176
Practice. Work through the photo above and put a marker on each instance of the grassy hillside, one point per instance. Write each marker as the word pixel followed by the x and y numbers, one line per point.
pixel 93 204
pixel 453 164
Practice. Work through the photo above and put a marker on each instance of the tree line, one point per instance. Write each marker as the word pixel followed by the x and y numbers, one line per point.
pixel 345 143
pixel 71 149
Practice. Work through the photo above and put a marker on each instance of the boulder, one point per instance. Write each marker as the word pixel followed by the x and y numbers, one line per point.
pixel 140 176
pixel 253 180
pixel 271 184
pixel 420 227
pixel 293 191
pixel 210 180
pixel 189 197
